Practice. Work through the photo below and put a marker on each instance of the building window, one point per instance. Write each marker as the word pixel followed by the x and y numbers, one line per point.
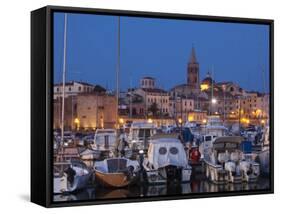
pixel 58 89
pixel 79 88
pixel 69 89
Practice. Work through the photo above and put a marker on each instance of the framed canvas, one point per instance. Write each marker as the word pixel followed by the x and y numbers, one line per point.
pixel 134 106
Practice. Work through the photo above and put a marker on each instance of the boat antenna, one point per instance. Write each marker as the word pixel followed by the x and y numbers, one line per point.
pixel 63 77
pixel 264 92
pixel 131 94
pixel 117 70
pixel 212 90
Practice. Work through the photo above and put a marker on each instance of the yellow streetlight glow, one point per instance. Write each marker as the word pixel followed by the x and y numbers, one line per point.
pixel 263 121
pixel 204 121
pixel 204 87
pixel 121 120
pixel 190 118
pixel 150 120
pixel 76 121
pixel 180 120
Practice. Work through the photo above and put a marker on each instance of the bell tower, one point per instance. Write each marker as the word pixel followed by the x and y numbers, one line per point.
pixel 193 71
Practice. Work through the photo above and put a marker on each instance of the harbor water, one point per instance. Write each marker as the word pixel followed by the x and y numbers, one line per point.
pixel 97 192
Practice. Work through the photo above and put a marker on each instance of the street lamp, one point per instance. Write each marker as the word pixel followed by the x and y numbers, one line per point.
pixel 150 120
pixel 214 100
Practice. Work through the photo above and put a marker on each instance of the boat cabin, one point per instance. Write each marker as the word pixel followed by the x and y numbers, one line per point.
pixel 105 140
pixel 140 134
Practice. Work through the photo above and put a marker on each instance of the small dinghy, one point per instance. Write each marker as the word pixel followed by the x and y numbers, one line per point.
pixel 69 177
pixel 116 172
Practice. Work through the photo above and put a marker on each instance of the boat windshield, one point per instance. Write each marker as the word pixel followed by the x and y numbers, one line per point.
pixel 105 139
pixel 144 133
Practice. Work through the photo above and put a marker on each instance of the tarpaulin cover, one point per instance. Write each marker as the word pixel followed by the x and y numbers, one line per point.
pixel 166 151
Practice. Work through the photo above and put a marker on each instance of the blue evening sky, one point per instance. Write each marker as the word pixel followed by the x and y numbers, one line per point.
pixel 160 48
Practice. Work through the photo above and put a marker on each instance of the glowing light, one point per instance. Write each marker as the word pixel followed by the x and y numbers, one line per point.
pixel 121 120
pixel 258 111
pixel 180 120
pixel 214 101
pixel 204 87
pixel 76 121
pixel 204 121
pixel 262 121
pixel 150 120
pixel 190 118
pixel 216 112
pixel 245 120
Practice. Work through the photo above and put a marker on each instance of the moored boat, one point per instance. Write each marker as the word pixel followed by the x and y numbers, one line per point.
pixel 166 161
pixel 70 176
pixel 140 134
pixel 226 162
pixel 105 141
pixel 116 172
pixel 264 154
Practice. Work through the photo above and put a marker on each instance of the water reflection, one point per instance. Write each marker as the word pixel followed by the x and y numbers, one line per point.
pixel 201 186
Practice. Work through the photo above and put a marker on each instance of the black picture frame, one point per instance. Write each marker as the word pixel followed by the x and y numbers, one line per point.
pixel 42 93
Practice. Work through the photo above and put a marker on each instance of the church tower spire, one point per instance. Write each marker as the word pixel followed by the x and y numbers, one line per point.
pixel 193 70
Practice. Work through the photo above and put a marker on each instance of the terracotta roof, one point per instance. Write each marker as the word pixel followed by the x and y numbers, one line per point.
pixel 72 83
pixel 154 90
pixel 151 78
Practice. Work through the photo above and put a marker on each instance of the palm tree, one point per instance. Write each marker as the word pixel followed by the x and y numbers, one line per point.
pixel 153 109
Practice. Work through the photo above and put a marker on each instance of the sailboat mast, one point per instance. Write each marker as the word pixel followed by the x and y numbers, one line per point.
pixel 212 90
pixel 63 77
pixel 117 70
pixel 264 92
pixel 131 94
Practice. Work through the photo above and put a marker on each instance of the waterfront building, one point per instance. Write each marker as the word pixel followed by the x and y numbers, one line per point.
pixel 180 107
pixel 73 88
pixel 197 116
pixel 155 100
pixel 96 110
pixel 255 105
pixel 72 91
